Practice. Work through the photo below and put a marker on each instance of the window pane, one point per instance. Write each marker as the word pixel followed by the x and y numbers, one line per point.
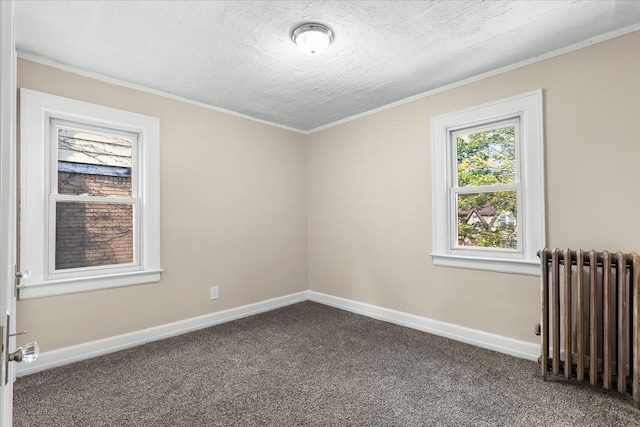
pixel 94 164
pixel 488 220
pixel 93 234
pixel 487 158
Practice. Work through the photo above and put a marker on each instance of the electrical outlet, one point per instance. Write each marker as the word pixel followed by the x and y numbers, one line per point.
pixel 213 293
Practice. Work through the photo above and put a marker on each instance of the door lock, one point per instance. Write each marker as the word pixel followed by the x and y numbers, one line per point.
pixel 27 354
pixel 22 274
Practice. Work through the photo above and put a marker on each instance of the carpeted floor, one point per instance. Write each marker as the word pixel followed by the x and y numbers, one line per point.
pixel 309 364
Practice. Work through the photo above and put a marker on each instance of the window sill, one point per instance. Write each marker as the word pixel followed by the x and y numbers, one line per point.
pixel 499 265
pixel 86 284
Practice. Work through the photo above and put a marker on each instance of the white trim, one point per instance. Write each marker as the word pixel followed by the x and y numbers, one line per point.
pixel 39 192
pixel 30 56
pixel 111 80
pixel 76 353
pixel 563 50
pixel 85 284
pixel 8 191
pixel 501 344
pixel 64 356
pixel 514 266
pixel 529 183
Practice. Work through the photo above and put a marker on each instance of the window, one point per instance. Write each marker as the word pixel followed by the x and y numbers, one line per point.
pixel 488 190
pixel 89 196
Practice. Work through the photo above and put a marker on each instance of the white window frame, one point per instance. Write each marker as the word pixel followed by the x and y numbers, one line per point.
pixel 38 194
pixel 526 109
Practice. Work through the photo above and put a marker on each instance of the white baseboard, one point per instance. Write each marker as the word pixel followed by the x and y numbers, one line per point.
pixel 76 353
pixel 517 348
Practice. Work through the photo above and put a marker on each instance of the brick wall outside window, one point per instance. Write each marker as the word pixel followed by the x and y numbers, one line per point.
pixel 93 234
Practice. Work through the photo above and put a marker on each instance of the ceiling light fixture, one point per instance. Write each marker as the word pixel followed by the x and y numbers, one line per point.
pixel 312 38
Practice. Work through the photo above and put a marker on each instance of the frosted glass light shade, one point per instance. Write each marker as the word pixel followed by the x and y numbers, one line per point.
pixel 312 39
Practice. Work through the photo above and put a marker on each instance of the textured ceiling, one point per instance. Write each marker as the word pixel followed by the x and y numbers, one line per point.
pixel 238 55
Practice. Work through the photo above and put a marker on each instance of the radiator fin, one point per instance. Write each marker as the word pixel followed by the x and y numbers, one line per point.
pixel 590 318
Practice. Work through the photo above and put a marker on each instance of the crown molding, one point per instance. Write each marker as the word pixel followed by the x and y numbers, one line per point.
pixel 29 56
pixel 567 49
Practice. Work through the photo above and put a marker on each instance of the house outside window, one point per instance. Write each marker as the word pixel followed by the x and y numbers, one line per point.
pixel 90 196
pixel 488 186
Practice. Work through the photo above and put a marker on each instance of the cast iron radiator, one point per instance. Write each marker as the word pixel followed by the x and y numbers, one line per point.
pixel 590 318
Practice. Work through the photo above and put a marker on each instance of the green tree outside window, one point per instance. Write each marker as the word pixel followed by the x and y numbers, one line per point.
pixel 488 218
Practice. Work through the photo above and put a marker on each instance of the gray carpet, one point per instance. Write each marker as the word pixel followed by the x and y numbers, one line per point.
pixel 309 364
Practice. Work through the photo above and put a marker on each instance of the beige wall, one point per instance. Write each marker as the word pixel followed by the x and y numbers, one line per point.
pixel 240 198
pixel 233 214
pixel 370 191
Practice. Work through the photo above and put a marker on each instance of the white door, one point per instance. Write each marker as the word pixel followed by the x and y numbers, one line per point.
pixel 7 205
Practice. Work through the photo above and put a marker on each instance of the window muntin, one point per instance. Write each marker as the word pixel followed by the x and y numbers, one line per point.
pixel 486 185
